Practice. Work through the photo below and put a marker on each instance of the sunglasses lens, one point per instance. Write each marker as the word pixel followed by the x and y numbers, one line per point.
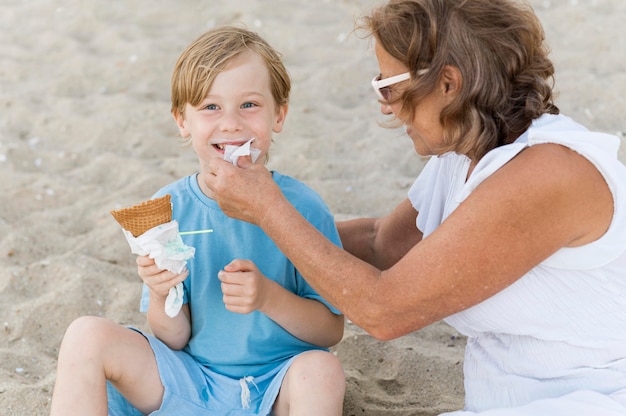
pixel 385 92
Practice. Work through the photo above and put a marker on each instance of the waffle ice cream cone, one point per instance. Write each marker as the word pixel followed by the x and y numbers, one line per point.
pixel 141 217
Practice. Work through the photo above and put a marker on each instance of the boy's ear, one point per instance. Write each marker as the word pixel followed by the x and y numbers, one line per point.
pixel 281 115
pixel 180 122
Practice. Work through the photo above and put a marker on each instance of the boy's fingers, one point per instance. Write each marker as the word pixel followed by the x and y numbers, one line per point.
pixel 239 265
pixel 144 261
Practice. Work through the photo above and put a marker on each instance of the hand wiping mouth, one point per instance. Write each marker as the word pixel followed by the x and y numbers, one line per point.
pixel 233 152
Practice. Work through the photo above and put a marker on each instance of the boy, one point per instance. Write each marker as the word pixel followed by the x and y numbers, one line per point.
pixel 252 336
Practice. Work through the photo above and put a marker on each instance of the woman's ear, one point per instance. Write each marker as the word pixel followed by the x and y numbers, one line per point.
pixel 451 81
pixel 180 122
pixel 281 115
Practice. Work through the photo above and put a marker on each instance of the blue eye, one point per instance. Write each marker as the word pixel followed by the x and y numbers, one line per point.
pixel 210 107
pixel 247 105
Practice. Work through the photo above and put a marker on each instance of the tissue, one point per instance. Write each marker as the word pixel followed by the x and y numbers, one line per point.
pixel 233 153
pixel 164 244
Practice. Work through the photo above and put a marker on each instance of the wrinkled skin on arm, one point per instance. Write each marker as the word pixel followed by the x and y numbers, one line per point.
pixel 546 198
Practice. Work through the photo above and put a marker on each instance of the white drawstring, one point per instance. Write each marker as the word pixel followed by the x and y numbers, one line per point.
pixel 245 390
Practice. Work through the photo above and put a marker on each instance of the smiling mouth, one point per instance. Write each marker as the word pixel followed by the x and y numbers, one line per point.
pixel 220 147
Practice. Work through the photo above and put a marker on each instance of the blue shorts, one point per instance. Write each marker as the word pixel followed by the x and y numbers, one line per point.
pixel 191 389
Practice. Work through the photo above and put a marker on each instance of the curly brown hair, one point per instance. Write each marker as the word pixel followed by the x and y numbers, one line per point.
pixel 498 47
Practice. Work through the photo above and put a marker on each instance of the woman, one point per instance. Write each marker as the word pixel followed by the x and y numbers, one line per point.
pixel 514 232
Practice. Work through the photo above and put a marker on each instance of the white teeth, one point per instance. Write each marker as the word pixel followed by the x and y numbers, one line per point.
pixel 223 145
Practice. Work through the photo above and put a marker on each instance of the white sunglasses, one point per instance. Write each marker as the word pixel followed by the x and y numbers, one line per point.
pixel 382 86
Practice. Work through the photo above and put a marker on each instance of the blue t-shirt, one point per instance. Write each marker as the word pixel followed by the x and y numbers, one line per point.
pixel 239 345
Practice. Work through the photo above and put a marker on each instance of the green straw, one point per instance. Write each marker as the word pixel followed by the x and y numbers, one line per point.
pixel 195 232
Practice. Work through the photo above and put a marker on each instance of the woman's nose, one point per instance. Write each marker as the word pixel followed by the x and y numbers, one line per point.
pixel 385 109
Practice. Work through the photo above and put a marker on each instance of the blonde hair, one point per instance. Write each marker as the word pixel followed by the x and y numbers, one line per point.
pixel 209 54
pixel 498 47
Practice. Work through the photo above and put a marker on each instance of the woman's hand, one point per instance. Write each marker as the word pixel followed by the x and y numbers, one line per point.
pixel 246 193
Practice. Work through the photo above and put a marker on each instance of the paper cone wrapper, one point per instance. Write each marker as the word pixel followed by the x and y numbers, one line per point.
pixel 140 218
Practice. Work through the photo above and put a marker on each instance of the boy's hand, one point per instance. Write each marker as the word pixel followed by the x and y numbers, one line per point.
pixel 245 289
pixel 159 281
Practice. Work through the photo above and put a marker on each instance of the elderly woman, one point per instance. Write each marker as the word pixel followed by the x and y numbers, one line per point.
pixel 514 232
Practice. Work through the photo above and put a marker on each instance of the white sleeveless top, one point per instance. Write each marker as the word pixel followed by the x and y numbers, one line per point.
pixel 559 332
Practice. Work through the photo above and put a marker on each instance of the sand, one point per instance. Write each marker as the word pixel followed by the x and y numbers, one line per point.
pixel 85 128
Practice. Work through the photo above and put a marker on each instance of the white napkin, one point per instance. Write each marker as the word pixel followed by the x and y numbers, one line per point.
pixel 166 247
pixel 232 153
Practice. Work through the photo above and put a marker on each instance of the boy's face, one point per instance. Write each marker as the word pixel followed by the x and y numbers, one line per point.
pixel 239 106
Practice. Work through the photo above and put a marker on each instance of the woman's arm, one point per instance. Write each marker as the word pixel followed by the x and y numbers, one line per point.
pixel 381 241
pixel 544 199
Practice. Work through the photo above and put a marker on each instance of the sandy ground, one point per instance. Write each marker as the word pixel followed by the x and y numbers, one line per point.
pixel 85 128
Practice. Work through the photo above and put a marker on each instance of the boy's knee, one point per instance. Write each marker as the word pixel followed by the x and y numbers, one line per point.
pixel 85 330
pixel 320 365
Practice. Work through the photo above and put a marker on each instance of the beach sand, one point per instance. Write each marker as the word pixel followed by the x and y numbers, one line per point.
pixel 85 128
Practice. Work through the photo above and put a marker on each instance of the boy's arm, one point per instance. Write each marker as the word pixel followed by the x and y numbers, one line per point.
pixel 306 319
pixel 246 290
pixel 174 332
